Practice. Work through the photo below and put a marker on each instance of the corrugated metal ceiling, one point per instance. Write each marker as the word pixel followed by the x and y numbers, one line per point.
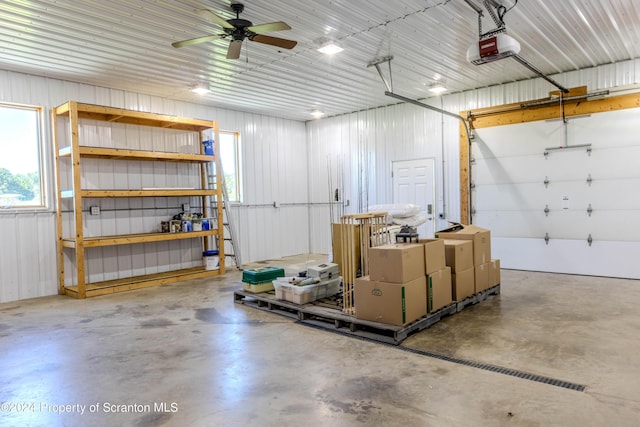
pixel 126 44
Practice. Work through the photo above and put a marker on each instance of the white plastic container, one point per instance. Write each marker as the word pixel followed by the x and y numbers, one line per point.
pixel 211 260
pixel 294 293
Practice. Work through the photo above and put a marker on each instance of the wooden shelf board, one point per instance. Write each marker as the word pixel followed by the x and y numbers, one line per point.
pixel 66 194
pixel 128 239
pixel 123 154
pixel 119 115
pixel 139 282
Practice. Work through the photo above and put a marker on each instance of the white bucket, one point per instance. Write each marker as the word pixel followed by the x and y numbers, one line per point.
pixel 211 260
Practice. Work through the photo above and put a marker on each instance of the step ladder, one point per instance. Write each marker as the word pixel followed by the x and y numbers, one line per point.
pixel 229 229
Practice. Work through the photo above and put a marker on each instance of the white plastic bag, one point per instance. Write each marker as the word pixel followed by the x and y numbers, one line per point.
pixel 412 221
pixel 400 210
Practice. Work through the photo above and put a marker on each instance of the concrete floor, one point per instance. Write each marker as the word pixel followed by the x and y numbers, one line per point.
pixel 211 362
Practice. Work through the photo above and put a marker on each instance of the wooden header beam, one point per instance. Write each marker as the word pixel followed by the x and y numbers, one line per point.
pixel 516 113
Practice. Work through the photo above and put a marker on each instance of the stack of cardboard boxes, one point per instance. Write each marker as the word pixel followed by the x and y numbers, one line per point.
pixel 409 280
pixel 406 281
pixel 459 256
pixel 486 271
pixel 395 292
pixel 438 275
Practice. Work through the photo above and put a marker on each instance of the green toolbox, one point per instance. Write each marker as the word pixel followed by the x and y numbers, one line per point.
pixel 261 275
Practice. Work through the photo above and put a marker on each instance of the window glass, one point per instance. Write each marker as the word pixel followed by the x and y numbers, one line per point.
pixel 20 159
pixel 230 159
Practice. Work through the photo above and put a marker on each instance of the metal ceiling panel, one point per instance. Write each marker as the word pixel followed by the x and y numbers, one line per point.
pixel 126 44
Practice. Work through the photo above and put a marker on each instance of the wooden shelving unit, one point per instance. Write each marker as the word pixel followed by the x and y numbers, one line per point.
pixel 76 151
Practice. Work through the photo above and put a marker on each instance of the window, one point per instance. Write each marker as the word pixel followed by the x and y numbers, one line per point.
pixel 230 159
pixel 20 162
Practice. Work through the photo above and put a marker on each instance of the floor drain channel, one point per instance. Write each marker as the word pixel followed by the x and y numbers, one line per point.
pixel 499 370
pixel 484 366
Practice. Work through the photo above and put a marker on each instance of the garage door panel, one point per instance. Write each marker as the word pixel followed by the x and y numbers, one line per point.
pixel 599 128
pixel 592 193
pixel 512 223
pixel 615 163
pixel 509 197
pixel 602 258
pixel 612 225
pixel 566 165
pixel 507 170
pixel 516 140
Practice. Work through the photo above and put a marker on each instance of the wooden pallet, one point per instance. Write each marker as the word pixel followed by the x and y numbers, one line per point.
pixel 327 314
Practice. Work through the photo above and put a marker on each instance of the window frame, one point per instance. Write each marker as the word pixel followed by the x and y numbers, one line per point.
pixel 238 163
pixel 42 164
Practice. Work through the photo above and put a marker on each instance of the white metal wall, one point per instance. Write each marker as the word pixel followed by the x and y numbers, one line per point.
pixel 359 148
pixel 274 169
pixel 284 162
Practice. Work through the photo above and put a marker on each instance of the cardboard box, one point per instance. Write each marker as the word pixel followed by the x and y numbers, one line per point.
pixel 463 284
pixel 458 255
pixel 433 255
pixel 396 263
pixel 438 289
pixel 481 238
pixel 482 276
pixel 494 273
pixel 391 303
pixel 336 243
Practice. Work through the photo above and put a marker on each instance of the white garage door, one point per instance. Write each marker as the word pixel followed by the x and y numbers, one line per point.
pixel 570 195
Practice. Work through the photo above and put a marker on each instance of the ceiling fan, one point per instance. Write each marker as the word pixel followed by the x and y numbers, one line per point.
pixel 238 30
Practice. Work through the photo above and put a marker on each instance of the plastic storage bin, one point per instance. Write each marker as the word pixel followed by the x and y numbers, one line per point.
pixel 329 287
pixel 307 293
pixel 261 275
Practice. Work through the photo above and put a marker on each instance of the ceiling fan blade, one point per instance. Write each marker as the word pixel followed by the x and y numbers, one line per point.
pixel 268 27
pixel 196 40
pixel 274 41
pixel 207 14
pixel 234 49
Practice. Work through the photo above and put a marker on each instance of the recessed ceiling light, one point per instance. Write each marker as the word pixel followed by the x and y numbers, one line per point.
pixel 329 47
pixel 437 88
pixel 200 89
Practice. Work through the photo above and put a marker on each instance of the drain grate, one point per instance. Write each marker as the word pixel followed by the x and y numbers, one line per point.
pixel 484 366
pixel 500 370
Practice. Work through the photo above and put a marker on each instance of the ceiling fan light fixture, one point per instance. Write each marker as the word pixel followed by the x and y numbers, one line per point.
pixel 330 47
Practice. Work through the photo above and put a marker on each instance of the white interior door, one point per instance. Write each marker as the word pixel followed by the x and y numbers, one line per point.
pixel 414 182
